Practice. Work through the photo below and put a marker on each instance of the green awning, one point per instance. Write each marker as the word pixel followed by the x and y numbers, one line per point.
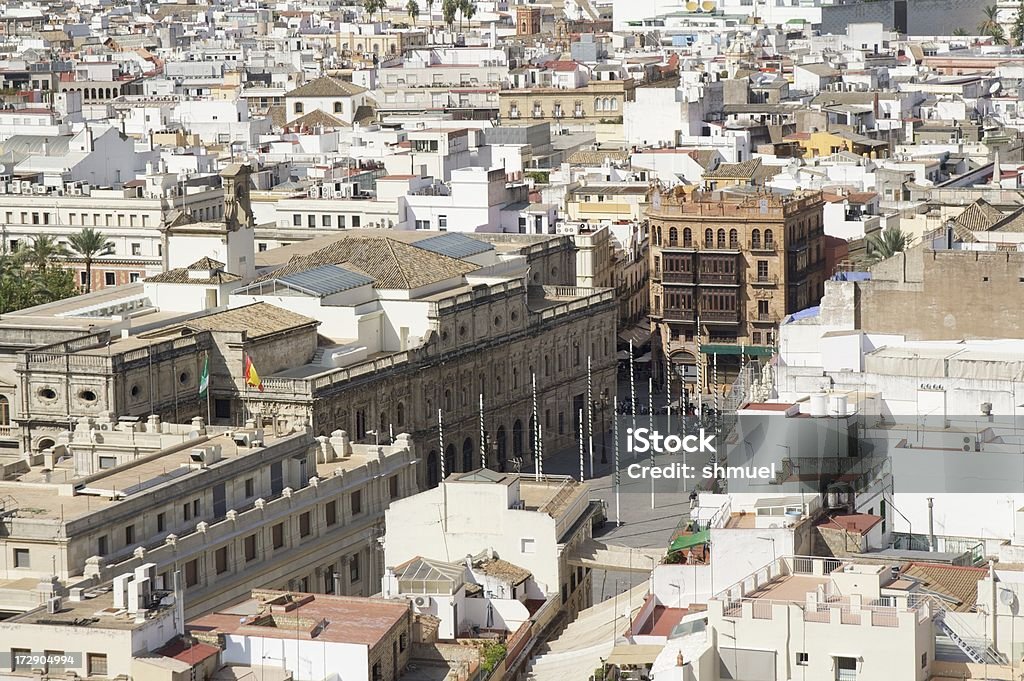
pixel 730 349
pixel 688 540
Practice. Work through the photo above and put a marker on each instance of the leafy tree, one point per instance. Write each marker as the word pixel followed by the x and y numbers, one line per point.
pixel 88 244
pixel 412 8
pixel 25 280
pixel 885 244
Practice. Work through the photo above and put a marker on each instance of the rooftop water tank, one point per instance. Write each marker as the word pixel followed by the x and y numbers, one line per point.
pixel 818 405
pixel 838 405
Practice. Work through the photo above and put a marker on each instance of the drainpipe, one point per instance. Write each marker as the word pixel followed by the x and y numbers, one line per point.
pixel 931 524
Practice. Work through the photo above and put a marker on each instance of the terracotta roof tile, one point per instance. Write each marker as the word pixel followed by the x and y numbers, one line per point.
pixel 392 264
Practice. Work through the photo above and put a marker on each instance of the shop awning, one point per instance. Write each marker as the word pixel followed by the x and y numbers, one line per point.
pixel 689 540
pixel 730 349
pixel 639 334
pixel 633 655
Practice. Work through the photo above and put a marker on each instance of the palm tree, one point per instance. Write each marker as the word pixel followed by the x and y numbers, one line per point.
pixel 990 25
pixel 88 244
pixel 43 251
pixel 959 31
pixel 885 244
pixel 448 10
pixel 430 14
pixel 468 10
pixel 413 9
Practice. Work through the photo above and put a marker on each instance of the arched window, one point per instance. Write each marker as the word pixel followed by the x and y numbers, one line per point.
pixel 339 107
pixel 598 105
pixel 502 449
pixel 755 239
pixel 547 365
pixel 467 454
pixel 449 459
pixel 687 237
pixel 721 238
pixel 657 235
pixel 532 435
pixel 447 400
pixel 769 239
pixel 615 104
pixel 400 414
pixel 5 411
pixel 709 238
pixel 517 438
pixel 433 469
pixel 298 107
pixel 673 236
pixel 734 239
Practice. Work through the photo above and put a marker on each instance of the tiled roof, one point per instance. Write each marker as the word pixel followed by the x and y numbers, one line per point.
pixel 316 118
pixel 504 570
pixel 980 216
pixel 1014 222
pixel 742 170
pixel 180 275
pixel 278 115
pixel 585 157
pixel 325 86
pixel 392 264
pixel 953 581
pixel 258 319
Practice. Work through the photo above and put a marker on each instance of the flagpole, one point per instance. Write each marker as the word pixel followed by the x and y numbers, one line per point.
pixel 615 445
pixel 483 435
pixel 579 432
pixel 440 440
pixel 632 391
pixel 590 414
pixel 650 422
pixel 536 430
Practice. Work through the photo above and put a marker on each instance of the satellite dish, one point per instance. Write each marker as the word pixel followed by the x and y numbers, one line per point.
pixel 995 87
pixel 1007 597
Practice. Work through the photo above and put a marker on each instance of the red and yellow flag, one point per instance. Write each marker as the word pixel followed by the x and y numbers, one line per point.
pixel 251 376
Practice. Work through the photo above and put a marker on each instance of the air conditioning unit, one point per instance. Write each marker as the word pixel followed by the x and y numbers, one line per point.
pixel 15 187
pixel 77 191
pixel 39 189
pixel 314 192
pixel 421 601
pixel 53 605
pixel 205 455
pixel 327 192
pixel 26 187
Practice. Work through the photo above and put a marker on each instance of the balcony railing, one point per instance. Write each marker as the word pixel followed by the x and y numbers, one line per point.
pixel 677 277
pixel 765 280
pixel 724 316
pixel 7 431
pixel 731 279
pixel 679 315
pixel 762 246
pixel 765 317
